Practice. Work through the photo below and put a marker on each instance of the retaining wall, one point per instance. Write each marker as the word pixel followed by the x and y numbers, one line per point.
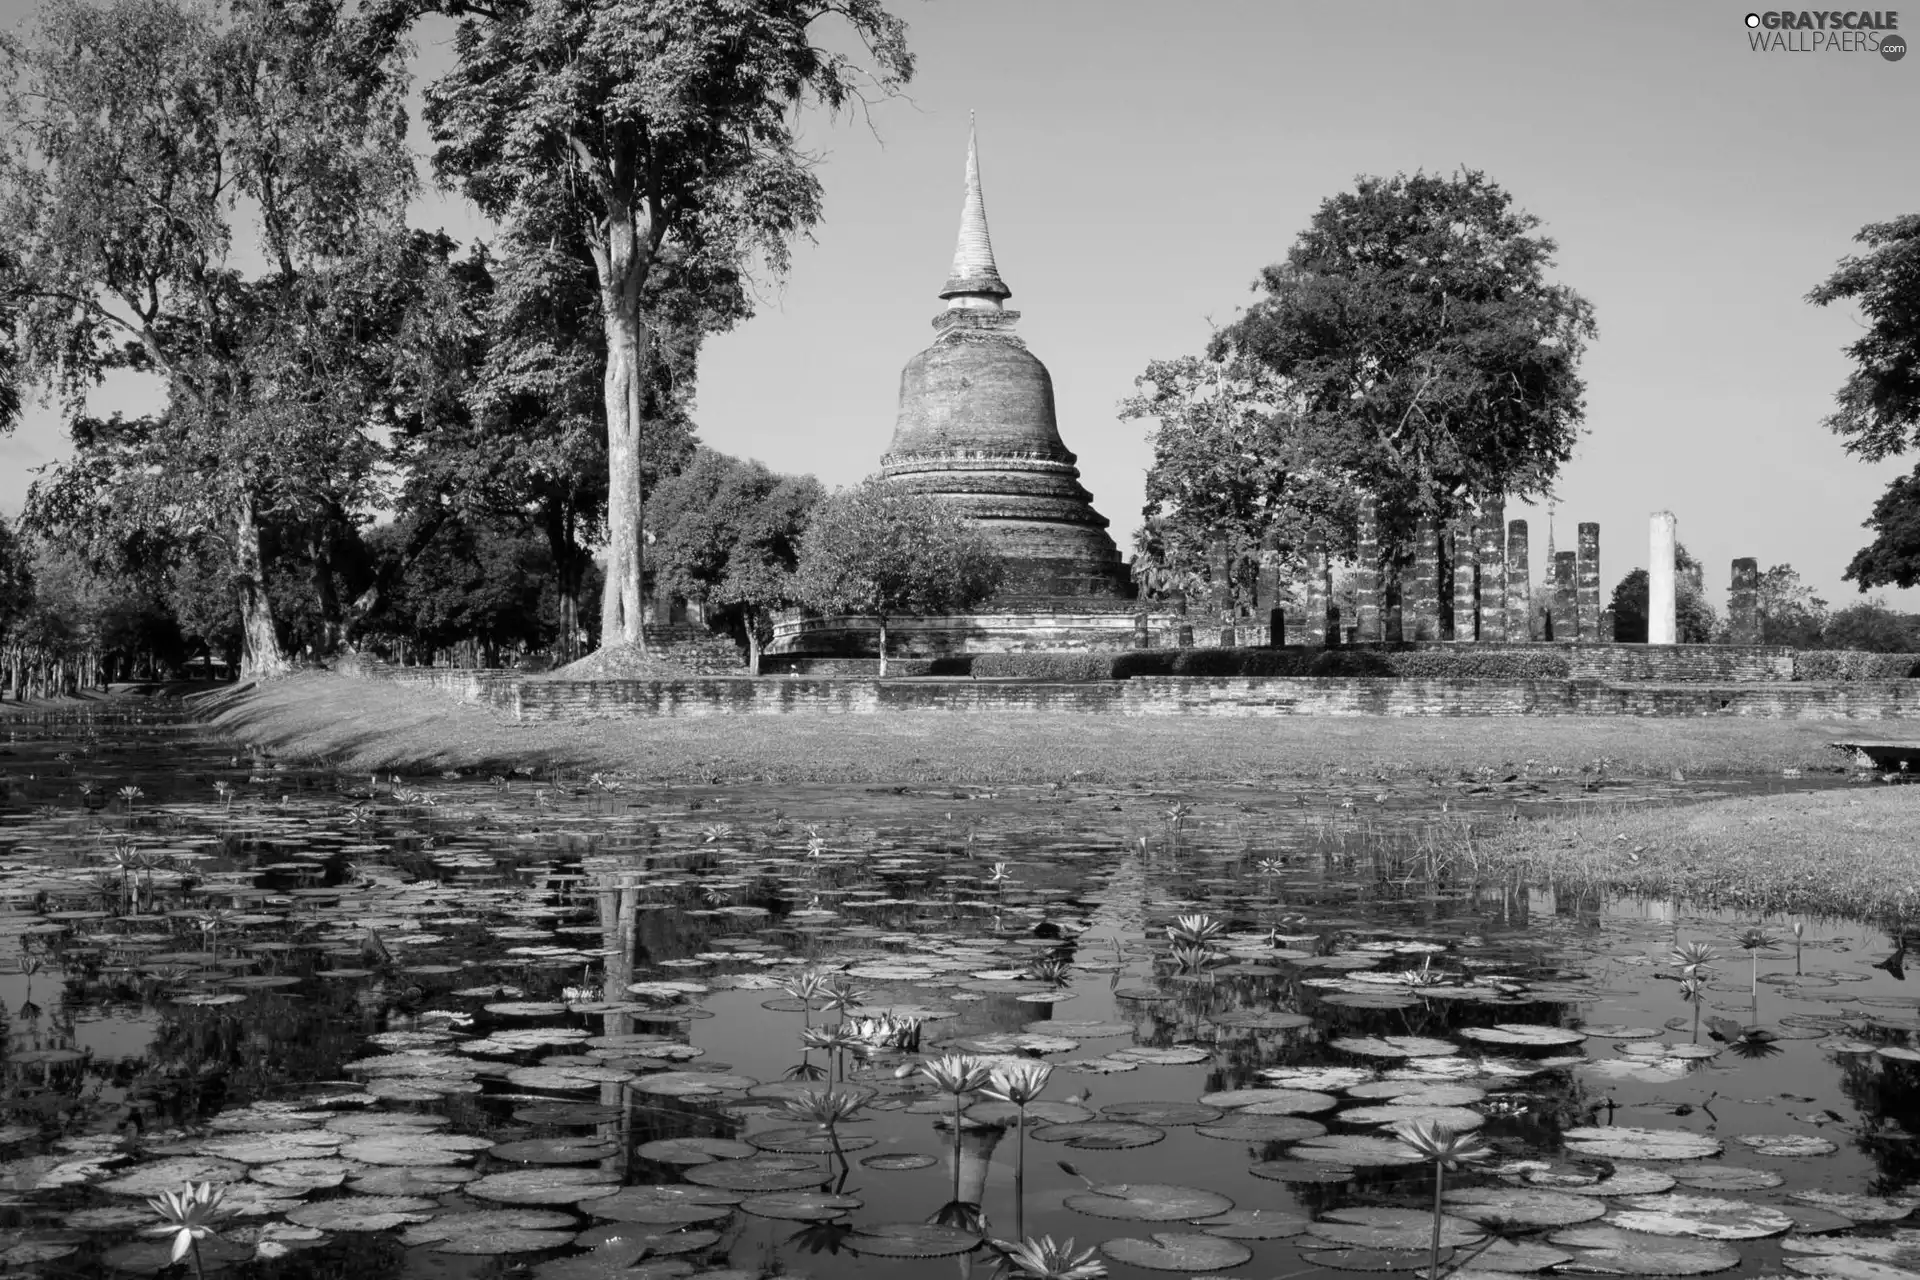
pixel 550 700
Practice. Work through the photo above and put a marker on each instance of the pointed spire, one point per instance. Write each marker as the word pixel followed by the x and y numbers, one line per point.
pixel 975 280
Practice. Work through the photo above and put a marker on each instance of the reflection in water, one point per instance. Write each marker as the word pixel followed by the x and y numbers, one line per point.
pixel 249 961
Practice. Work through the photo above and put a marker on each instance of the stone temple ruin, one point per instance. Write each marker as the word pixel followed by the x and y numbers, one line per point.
pixel 977 428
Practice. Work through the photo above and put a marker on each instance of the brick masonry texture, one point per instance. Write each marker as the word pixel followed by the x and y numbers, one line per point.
pixel 1777 698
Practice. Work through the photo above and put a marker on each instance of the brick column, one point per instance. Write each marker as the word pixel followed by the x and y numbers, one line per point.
pixel 1493 571
pixel 1466 590
pixel 1566 614
pixel 1314 630
pixel 1366 572
pixel 1426 579
pixel 1587 583
pixel 1519 588
pixel 1743 607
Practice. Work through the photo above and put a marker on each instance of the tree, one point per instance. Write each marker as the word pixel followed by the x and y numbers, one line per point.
pixel 16 579
pixel 1878 410
pixel 1430 359
pixel 882 552
pixel 150 138
pixel 1789 612
pixel 1873 627
pixel 646 127
pixel 1693 616
pixel 726 533
pixel 1230 470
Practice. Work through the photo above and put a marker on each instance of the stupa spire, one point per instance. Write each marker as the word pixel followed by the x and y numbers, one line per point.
pixel 975 280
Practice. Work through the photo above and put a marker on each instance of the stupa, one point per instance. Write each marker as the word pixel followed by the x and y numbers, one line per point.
pixel 976 429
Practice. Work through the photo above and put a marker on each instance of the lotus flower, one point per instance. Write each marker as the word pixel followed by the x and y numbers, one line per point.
pixel 189 1215
pixel 1042 1259
pixel 1693 956
pixel 1448 1149
pixel 1020 1083
pixel 1196 930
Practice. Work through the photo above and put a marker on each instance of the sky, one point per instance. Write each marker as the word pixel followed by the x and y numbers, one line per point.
pixel 1142 160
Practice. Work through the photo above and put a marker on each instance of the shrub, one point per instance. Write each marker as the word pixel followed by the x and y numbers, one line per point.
pixel 1853 664
pixel 1405 664
pixel 1037 666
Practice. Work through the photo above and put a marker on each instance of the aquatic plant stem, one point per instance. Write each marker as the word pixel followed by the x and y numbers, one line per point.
pixel 1433 1256
pixel 1020 1177
pixel 956 1147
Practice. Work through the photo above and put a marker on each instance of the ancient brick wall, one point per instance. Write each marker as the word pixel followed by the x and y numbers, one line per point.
pixel 1668 664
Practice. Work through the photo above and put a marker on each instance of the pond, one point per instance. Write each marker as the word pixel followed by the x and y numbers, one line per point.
pixel 511 1025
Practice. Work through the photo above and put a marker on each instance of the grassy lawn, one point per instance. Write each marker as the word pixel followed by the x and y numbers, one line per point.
pixel 1851 852
pixel 368 724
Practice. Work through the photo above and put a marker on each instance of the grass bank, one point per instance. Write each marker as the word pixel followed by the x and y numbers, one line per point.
pixel 1852 852
pixel 369 724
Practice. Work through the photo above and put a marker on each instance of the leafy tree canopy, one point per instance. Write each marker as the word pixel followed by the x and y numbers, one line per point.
pixel 1231 467
pixel 1693 614
pixel 633 129
pixel 882 551
pixel 1878 406
pixel 1428 356
pixel 727 533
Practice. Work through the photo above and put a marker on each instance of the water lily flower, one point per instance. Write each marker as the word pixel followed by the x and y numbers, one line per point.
pixel 957 1073
pixel 824 1108
pixel 1042 1259
pixel 1693 956
pixel 1020 1083
pixel 1448 1148
pixel 1196 930
pixel 189 1216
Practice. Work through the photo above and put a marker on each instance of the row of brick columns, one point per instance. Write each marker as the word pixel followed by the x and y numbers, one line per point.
pixel 1492 585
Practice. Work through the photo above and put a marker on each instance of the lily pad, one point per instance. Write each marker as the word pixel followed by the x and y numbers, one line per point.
pixel 1148 1202
pixel 545 1185
pixel 912 1240
pixel 1619 1252
pixel 1306 1172
pixel 491 1231
pixel 364 1213
pixel 666 1205
pixel 1379 1228
pixel 1787 1144
pixel 1171 1251
pixel 1861 1208
pixel 759 1174
pixel 555 1151
pixel 1395 1046
pixel 1725 1177
pixel 800 1206
pixel 1522 1035
pixel 1241 1127
pixel 1253 1224
pixel 1521 1207
pixel 1356 1152
pixel 1101 1135
pixel 1625 1142
pixel 1272 1101
pixel 1707 1217
pixel 1625 1180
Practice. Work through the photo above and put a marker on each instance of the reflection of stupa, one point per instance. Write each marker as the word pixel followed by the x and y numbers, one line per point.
pixel 976 429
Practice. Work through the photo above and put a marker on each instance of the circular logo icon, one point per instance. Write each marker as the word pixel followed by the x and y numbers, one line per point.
pixel 1893 46
pixel 1753 19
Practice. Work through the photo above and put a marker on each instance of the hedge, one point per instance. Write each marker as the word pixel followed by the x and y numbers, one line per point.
pixel 1854 664
pixel 1432 664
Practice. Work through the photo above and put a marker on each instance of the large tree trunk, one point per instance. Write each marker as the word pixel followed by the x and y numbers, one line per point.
pixel 569 570
pixel 333 625
pixel 883 648
pixel 622 609
pixel 260 655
